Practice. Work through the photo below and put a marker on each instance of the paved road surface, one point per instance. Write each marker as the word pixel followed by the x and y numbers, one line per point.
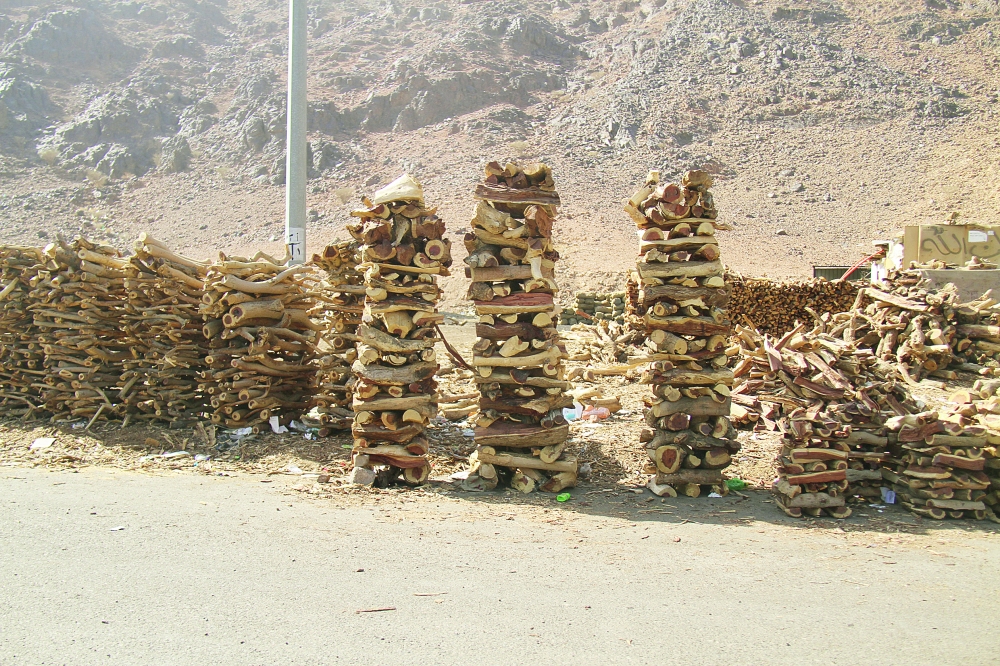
pixel 234 571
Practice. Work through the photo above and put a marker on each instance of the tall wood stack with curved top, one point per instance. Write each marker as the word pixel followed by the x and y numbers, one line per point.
pixel 343 294
pixel 263 341
pixel 682 303
pixel 21 358
pixel 164 324
pixel 521 433
pixel 403 251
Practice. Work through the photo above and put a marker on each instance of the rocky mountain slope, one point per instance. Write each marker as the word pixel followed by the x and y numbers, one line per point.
pixel 829 123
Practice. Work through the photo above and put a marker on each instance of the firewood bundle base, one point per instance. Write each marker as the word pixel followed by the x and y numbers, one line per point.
pixel 520 432
pixel 262 340
pixel 79 307
pixel 165 334
pixel 395 398
pixel 681 306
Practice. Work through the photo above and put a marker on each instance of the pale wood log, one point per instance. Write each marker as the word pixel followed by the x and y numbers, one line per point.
pixel 705 477
pixel 682 269
pixel 515 435
pixel 488 455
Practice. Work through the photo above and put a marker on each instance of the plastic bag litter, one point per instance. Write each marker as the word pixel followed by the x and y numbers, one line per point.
pixel 42 443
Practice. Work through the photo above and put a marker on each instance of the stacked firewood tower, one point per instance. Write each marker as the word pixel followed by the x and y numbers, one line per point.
pixel 520 432
pixel 403 251
pixel 682 303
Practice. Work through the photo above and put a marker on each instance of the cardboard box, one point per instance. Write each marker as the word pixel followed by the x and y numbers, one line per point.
pixel 951 243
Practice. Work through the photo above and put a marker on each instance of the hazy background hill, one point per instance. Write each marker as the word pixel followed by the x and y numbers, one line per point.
pixel 829 124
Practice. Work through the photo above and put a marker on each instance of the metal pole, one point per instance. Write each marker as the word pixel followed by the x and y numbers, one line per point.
pixel 295 137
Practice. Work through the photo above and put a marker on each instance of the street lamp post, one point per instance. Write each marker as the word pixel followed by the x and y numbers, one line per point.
pixel 296 171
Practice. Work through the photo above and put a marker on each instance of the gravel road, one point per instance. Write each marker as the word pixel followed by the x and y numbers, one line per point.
pixel 105 566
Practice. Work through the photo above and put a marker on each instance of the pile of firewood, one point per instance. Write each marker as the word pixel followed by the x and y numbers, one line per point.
pixel 865 424
pixel 937 464
pixel 774 377
pixel 812 465
pixel 343 293
pixel 520 432
pixel 78 305
pixel 395 395
pixel 981 407
pixel 682 306
pixel 21 357
pixel 777 306
pixel 261 366
pixel 977 344
pixel 605 342
pixel 815 387
pixel 164 326
pixel 907 323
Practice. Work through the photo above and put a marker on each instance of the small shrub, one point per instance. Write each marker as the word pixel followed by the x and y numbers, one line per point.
pixel 96 178
pixel 520 148
pixel 344 194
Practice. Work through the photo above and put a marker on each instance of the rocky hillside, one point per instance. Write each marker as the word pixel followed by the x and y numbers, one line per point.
pixel 830 123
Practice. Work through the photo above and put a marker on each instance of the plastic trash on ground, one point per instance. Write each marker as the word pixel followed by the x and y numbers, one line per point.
pixel 736 484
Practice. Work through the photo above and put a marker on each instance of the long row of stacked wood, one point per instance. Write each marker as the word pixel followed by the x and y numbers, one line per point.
pixel 775 306
pixel 682 303
pixel 395 396
pixel 264 368
pixel 21 357
pixel 520 433
pixel 343 293
pixel 164 325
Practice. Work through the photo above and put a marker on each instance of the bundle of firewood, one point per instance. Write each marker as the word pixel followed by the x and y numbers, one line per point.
pixel 977 343
pixel 343 293
pixel 822 393
pixel 21 358
pixel 164 325
pixel 520 432
pixel 908 323
pixel 812 465
pixel 777 306
pixel 864 422
pixel 774 377
pixel 981 407
pixel 395 395
pixel 682 306
pixel 78 305
pixel 263 341
pixel 937 464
